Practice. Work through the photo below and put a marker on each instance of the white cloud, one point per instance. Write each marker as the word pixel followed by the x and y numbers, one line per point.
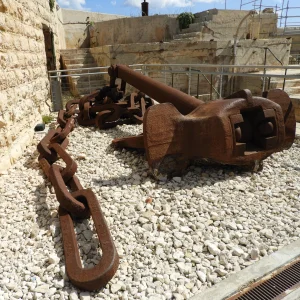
pixel 72 4
pixel 113 2
pixel 168 3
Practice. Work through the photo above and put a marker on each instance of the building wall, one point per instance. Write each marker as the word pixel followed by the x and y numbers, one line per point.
pixel 248 52
pixel 221 24
pixel 77 34
pixel 293 33
pixel 135 30
pixel 212 24
pixel 24 85
pixel 295 44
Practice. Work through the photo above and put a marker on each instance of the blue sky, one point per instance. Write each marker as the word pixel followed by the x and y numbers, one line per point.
pixel 133 7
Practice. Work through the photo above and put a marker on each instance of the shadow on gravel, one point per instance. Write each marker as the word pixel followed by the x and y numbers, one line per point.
pixel 196 175
pixel 209 173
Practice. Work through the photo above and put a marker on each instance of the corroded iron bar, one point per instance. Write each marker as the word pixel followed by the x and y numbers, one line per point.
pixel 155 89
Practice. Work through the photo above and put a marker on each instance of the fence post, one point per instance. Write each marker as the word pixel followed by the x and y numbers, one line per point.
pixel 285 72
pixel 264 78
pixel 198 85
pixel 189 87
pixel 211 87
pixel 89 81
pixel 221 83
pixel 56 96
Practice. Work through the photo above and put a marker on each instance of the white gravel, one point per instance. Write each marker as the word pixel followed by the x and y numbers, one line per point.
pixel 174 238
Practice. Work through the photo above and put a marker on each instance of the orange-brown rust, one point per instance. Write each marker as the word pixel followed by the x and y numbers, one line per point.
pixel 239 130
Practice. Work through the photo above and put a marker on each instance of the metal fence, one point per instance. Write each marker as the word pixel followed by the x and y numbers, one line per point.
pixel 294 59
pixel 204 81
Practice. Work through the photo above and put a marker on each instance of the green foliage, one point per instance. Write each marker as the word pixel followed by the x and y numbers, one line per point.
pixel 185 19
pixel 51 4
pixel 47 119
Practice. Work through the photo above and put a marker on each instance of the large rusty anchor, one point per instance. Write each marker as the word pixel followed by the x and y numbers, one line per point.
pixel 238 130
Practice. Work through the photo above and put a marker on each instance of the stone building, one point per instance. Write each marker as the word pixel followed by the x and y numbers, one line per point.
pixel 31 35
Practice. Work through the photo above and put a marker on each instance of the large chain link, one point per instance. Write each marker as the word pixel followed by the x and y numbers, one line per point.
pixel 76 201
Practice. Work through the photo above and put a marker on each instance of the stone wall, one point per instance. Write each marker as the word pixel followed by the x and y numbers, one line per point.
pixel 294 34
pixel 24 85
pixel 263 25
pixel 295 44
pixel 222 25
pixel 77 32
pixel 135 30
pixel 248 52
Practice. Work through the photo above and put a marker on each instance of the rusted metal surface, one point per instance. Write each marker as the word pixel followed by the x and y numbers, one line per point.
pixel 108 107
pixel 98 276
pixel 76 201
pixel 156 90
pixel 239 130
pixel 274 286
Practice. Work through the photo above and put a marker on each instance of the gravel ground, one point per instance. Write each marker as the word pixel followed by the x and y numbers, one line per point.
pixel 174 238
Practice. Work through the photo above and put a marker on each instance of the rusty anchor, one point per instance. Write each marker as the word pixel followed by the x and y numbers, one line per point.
pixel 238 130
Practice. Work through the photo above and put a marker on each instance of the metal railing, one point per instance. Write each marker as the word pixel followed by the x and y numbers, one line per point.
pixel 207 81
pixel 294 59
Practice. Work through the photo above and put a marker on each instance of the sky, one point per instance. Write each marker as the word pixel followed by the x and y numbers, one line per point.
pixel 133 7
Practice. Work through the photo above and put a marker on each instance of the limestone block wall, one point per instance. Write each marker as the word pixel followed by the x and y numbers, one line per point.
pixel 24 85
pixel 263 25
pixel 135 30
pixel 248 52
pixel 225 24
pixel 293 33
pixel 184 52
pixel 295 43
pixel 242 24
pixel 60 30
pixel 77 34
pixel 253 51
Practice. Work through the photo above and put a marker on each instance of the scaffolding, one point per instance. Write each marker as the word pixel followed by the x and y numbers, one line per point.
pixel 288 20
pixel 258 5
pixel 288 14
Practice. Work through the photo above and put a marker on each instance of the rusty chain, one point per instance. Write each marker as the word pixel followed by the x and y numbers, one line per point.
pixel 108 108
pixel 75 201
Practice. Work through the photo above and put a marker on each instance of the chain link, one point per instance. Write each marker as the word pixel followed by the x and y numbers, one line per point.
pixel 76 201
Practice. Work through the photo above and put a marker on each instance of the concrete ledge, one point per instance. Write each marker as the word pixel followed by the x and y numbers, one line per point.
pixel 297 130
pixel 240 280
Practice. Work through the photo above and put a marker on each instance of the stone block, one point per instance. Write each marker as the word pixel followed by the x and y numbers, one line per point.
pixel 4 163
pixel 3 100
pixel 4 6
pixel 24 86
